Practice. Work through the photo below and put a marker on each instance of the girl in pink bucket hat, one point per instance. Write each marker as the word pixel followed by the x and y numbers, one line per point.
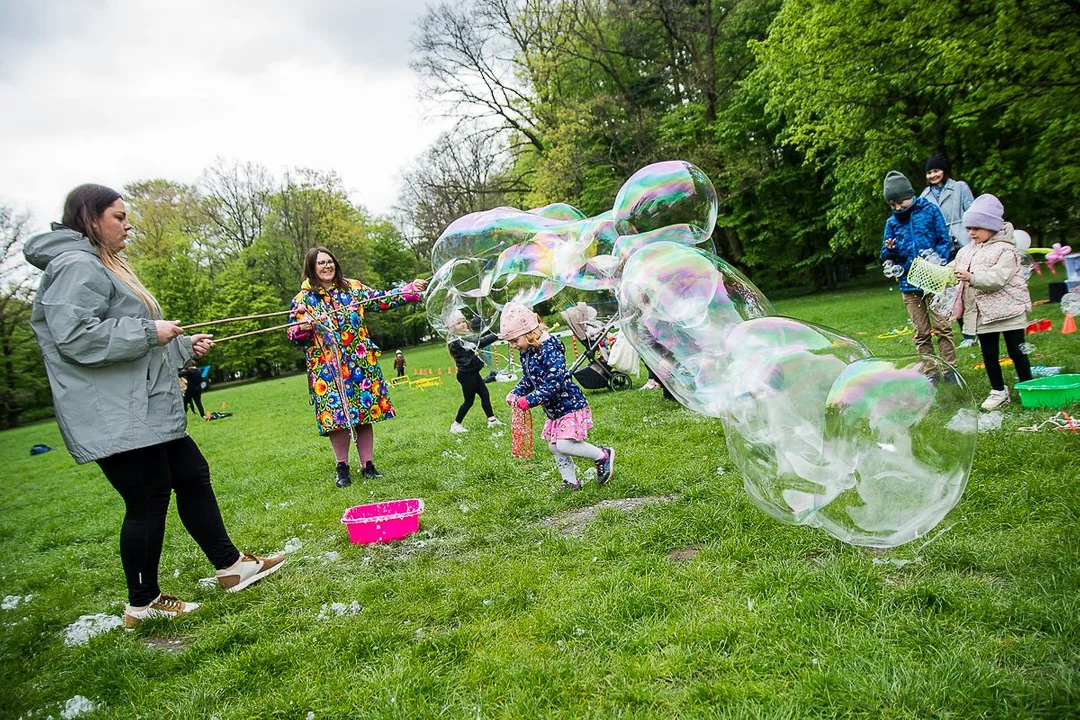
pixel 546 382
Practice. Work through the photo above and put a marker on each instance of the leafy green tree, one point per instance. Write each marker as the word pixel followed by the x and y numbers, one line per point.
pixel 865 87
pixel 164 250
pixel 24 387
pixel 238 293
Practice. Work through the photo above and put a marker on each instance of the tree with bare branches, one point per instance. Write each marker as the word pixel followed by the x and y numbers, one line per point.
pixel 462 172
pixel 236 202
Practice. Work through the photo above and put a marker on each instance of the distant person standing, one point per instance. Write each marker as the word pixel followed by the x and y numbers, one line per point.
pixel 953 198
pixel 399 363
pixel 193 391
pixel 917 229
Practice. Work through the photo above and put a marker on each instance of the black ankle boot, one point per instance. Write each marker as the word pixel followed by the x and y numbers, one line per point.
pixel 343 477
pixel 369 470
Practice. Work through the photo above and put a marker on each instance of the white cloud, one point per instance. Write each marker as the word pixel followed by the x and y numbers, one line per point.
pixel 125 90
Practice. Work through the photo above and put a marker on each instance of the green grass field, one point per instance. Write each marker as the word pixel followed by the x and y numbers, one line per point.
pixel 664 594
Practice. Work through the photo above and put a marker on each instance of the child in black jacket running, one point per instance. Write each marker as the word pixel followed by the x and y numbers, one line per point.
pixel 468 374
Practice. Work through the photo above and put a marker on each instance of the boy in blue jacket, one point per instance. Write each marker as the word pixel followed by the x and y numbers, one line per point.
pixel 917 228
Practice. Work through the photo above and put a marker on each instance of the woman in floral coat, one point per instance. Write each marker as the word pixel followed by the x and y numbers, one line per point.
pixel 344 377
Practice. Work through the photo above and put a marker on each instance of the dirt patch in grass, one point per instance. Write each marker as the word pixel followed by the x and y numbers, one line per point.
pixel 169 645
pixel 685 554
pixel 572 523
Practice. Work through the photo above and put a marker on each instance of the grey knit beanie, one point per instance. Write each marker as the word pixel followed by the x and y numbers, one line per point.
pixel 897 187
pixel 985 212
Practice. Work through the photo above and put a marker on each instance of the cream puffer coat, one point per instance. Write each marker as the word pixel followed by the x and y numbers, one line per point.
pixel 996 298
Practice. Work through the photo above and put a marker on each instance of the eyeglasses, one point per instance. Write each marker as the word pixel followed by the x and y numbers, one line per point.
pixel 325 263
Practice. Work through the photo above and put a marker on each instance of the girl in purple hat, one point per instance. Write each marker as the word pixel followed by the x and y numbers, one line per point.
pixel 546 382
pixel 993 295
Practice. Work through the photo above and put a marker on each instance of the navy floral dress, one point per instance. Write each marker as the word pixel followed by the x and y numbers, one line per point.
pixel 545 381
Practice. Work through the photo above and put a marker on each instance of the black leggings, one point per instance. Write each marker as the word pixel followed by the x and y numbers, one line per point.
pixel 988 343
pixel 471 386
pixel 192 401
pixel 145 479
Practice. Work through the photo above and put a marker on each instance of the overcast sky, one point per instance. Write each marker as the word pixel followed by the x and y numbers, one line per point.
pixel 112 91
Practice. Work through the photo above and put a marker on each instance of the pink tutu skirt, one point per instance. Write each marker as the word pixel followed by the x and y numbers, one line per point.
pixel 572 426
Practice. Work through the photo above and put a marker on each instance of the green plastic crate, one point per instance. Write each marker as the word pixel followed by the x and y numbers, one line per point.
pixel 1050 392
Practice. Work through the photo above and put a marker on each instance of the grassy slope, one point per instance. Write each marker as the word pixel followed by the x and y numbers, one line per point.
pixel 489 612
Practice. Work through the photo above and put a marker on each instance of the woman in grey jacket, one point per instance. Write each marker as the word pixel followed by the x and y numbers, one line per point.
pixel 111 361
pixel 953 198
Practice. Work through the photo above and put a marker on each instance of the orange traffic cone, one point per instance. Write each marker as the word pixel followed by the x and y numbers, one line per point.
pixel 1069 326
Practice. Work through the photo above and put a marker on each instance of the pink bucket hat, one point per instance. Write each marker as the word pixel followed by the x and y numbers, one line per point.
pixel 516 320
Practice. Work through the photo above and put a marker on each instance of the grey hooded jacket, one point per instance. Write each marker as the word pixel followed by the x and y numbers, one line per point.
pixel 114 388
pixel 955 198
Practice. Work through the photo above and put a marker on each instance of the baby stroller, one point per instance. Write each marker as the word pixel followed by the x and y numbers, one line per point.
pixel 591 332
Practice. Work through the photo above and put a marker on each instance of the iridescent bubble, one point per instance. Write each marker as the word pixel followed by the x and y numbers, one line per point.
pixel 676 304
pixel 873 451
pixel 682 233
pixel 559 211
pixel 482 236
pixel 898 417
pixel 666 193
pixel 781 374
pixel 1027 348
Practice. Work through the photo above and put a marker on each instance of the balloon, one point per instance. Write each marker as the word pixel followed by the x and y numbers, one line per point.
pixel 1022 239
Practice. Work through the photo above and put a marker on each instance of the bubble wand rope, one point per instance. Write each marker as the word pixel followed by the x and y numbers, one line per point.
pixel 257 332
pixel 350 307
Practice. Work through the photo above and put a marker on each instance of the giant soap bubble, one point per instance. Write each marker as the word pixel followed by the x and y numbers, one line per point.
pixel 874 451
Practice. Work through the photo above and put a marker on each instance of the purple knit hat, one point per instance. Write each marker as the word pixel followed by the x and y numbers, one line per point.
pixel 985 212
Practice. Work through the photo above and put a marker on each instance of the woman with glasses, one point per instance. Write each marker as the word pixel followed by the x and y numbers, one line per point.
pixel 344 378
pixel 916 229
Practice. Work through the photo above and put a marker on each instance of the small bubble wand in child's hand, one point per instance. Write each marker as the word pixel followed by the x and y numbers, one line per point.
pixel 521 432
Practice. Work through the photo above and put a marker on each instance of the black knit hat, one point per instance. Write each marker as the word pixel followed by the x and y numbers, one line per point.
pixel 937 162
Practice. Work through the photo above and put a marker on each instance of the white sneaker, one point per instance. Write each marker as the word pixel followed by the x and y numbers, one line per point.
pixel 249 570
pixel 164 606
pixel 996 399
pixel 651 385
pixel 968 342
pixel 494 422
pixel 457 428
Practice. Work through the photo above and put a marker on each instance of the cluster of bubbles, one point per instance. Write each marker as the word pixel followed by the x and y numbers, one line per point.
pixel 823 432
pixel 1027 348
pixel 1070 303
pixel 932 257
pixel 892 269
pixel 943 302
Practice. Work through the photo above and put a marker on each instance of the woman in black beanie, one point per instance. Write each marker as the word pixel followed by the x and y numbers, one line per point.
pixel 953 198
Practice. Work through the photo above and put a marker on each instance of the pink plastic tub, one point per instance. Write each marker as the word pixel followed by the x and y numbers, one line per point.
pixel 383 522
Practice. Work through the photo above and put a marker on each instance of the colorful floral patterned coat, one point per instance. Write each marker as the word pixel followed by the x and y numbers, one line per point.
pixel 342 361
